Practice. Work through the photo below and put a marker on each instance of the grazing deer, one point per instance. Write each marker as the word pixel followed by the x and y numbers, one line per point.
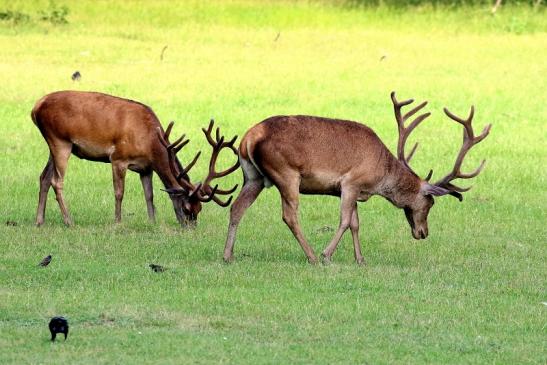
pixel 128 135
pixel 312 155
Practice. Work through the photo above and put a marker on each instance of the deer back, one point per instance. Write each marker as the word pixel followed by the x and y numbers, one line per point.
pixel 322 151
pixel 98 125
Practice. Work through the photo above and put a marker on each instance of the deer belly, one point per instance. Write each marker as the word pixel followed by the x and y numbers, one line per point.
pixel 320 183
pixel 92 152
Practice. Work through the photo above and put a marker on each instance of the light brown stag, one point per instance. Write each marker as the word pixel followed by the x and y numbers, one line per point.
pixel 127 134
pixel 312 155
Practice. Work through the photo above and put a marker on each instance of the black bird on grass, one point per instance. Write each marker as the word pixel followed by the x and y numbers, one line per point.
pixel 58 325
pixel 76 76
pixel 157 268
pixel 45 261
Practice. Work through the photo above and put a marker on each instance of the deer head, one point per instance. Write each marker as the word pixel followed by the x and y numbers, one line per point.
pixel 417 208
pixel 187 200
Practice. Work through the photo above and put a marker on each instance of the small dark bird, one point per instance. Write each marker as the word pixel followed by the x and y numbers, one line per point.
pixel 76 76
pixel 157 268
pixel 45 261
pixel 58 325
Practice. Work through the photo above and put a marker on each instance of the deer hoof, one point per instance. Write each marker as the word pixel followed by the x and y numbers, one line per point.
pixel 228 259
pixel 361 261
pixel 326 260
pixel 313 260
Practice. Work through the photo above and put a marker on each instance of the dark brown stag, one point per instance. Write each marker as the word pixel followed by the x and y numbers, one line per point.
pixel 312 155
pixel 128 135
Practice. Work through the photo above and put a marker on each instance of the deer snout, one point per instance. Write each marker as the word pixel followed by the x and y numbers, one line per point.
pixel 189 220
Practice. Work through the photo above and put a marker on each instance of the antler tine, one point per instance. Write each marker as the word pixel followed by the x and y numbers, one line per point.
pixel 208 131
pixel 161 137
pixel 185 171
pixel 474 173
pixel 231 142
pixel 400 103
pixel 218 135
pixel 177 148
pixel 404 132
pixel 469 140
pixel 465 122
pixel 220 202
pixel 429 175
pixel 205 198
pixel 227 192
pixel 484 133
pixel 216 199
pixel 414 110
pixel 195 190
pixel 412 152
pixel 168 130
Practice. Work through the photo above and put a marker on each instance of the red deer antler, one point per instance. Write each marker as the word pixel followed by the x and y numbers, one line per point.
pixel 202 191
pixel 469 140
pixel 218 144
pixel 172 150
pixel 404 132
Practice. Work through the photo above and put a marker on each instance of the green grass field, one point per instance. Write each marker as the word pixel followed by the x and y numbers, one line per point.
pixel 473 292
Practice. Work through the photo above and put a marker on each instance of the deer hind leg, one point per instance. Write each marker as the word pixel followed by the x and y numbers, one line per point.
pixel 60 161
pixel 45 184
pixel 289 201
pixel 248 194
pixel 354 226
pixel 118 178
pixel 348 201
pixel 146 180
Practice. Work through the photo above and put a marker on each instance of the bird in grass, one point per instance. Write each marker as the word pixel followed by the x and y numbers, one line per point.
pixel 76 76
pixel 58 325
pixel 45 261
pixel 157 268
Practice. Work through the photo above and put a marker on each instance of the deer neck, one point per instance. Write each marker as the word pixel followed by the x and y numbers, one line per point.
pixel 400 185
pixel 166 176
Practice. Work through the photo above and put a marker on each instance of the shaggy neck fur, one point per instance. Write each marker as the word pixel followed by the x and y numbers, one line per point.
pixel 399 185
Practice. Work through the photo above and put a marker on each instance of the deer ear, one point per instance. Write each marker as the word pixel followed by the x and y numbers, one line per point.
pixel 428 189
pixel 174 191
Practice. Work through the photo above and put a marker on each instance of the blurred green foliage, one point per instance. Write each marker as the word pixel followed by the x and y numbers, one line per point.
pixel 452 3
pixel 53 14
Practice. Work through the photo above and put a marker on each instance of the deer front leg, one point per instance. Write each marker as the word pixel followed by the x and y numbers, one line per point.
pixel 146 180
pixel 354 226
pixel 289 201
pixel 348 202
pixel 118 176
